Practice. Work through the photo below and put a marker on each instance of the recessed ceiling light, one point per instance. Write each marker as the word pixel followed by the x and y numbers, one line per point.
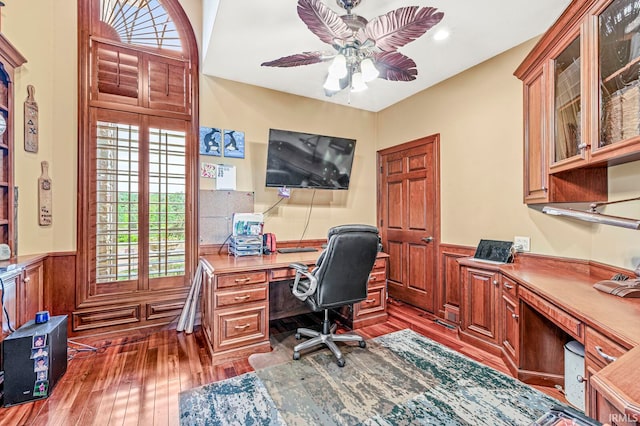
pixel 441 34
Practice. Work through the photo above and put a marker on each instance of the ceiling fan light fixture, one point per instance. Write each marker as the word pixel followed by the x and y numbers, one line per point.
pixel 369 70
pixel 357 82
pixel 364 49
pixel 332 84
pixel 338 67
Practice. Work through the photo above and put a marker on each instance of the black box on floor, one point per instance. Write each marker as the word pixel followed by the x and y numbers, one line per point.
pixel 34 359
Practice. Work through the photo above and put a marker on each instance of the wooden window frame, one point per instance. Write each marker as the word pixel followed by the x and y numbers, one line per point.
pixel 89 31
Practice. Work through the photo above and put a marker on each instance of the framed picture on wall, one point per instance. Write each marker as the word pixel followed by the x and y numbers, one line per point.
pixel 233 144
pixel 210 138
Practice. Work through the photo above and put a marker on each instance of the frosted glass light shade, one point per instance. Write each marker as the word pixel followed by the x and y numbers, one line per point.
pixel 338 67
pixel 332 83
pixel 369 71
pixel 357 83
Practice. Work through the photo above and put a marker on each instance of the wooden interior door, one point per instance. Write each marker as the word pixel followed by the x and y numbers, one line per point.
pixel 409 218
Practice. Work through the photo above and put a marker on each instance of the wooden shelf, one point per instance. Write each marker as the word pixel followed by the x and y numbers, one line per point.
pixel 632 67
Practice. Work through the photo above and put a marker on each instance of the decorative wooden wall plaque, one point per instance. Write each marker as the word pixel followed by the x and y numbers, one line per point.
pixel 31 121
pixel 44 195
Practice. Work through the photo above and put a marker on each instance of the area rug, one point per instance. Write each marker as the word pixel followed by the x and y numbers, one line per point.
pixel 401 378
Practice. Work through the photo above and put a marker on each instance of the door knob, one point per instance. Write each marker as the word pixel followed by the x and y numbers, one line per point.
pixel 427 239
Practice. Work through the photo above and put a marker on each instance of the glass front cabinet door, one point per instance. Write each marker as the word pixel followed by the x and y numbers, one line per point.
pixel 617 28
pixel 568 146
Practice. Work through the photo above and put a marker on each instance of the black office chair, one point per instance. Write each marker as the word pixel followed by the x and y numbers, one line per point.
pixel 339 278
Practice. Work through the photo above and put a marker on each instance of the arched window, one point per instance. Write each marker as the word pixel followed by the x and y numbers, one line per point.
pixel 137 155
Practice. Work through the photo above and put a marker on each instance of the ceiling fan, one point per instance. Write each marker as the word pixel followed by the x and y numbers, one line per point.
pixel 364 50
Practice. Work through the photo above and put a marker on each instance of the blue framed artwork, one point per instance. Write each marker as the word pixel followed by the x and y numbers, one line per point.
pixel 210 138
pixel 233 144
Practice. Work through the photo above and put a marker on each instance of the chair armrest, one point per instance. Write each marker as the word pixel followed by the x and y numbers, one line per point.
pixel 303 270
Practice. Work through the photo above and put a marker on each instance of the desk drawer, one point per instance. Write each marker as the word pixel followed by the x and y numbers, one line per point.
pixel 377 278
pixel 374 302
pixel 232 280
pixel 380 263
pixel 602 349
pixel 509 288
pixel 244 295
pixel 565 321
pixel 240 326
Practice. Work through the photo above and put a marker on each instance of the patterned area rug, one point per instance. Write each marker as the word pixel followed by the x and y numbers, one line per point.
pixel 401 378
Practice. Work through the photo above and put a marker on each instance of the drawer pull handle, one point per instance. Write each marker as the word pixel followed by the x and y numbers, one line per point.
pixel 604 355
pixel 580 379
pixel 495 282
pixel 243 280
pixel 369 301
pixel 372 278
pixel 242 327
pixel 27 279
pixel 507 286
pixel 246 296
pixel 515 316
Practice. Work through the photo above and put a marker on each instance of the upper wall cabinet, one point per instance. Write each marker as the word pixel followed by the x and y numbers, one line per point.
pixel 581 101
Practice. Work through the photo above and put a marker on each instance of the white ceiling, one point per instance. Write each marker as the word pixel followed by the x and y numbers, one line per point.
pixel 240 35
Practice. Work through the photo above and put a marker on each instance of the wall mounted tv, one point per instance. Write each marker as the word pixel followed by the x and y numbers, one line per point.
pixel 304 160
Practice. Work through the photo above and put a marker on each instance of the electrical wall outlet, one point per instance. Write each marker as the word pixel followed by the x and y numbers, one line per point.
pixel 522 243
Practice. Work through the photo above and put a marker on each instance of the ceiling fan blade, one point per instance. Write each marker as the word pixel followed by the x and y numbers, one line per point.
pixel 322 21
pixel 399 27
pixel 394 66
pixel 305 58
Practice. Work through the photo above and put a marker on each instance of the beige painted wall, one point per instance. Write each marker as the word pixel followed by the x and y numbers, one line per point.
pixel 50 50
pixel 478 114
pixel 254 110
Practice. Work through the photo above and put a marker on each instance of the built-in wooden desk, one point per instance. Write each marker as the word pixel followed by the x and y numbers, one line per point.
pixel 528 310
pixel 241 294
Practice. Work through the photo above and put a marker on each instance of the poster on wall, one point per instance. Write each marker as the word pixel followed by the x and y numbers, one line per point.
pixel 210 138
pixel 233 144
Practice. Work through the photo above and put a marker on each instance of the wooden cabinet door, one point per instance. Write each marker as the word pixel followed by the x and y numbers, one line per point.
pixel 535 140
pixel 408 216
pixel 31 292
pixel 509 335
pixel 480 303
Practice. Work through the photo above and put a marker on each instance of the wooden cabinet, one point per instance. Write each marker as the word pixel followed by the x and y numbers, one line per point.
pixel 536 186
pixel 600 351
pixel 10 59
pixel 581 101
pixel 510 316
pixel 480 298
pixel 373 309
pixel 235 313
pixel 30 289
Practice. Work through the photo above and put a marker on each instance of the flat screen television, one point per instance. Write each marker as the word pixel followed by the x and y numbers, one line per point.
pixel 304 160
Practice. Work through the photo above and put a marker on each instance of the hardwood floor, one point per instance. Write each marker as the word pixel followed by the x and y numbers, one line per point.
pixel 136 379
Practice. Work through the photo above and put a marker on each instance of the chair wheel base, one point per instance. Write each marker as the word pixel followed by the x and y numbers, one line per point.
pixel 362 344
pixel 296 356
pixel 340 362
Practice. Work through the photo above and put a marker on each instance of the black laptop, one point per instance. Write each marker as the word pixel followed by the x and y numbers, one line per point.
pixel 494 251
